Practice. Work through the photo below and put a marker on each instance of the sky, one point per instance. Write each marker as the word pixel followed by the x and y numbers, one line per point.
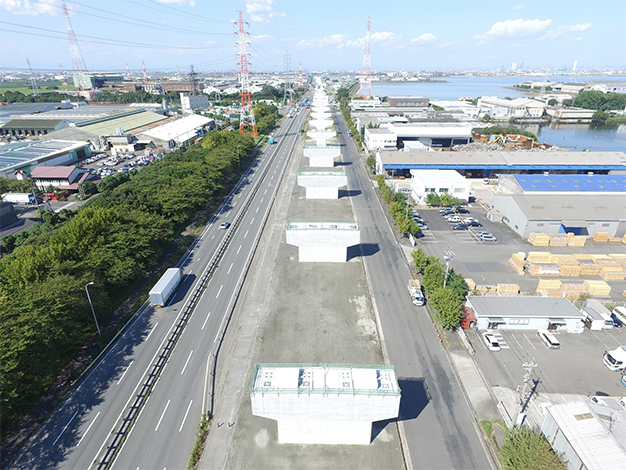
pixel 321 34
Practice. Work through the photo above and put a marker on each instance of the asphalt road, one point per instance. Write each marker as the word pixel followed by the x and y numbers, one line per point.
pixel 78 432
pixel 438 425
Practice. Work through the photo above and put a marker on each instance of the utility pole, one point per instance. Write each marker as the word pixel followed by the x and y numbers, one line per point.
pixel 525 391
pixel 448 256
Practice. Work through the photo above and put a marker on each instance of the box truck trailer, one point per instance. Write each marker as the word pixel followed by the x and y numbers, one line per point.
pixel 163 290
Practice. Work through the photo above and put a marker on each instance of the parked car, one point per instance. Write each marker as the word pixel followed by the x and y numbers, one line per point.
pixel 446 210
pixel 461 210
pixel 422 225
pixel 224 225
pixel 453 218
pixel 474 223
pixel 487 237
pixel 460 227
pixel 491 342
pixel 549 339
pixel 415 213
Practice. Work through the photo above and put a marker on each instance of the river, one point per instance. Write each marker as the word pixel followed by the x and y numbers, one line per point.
pixel 577 137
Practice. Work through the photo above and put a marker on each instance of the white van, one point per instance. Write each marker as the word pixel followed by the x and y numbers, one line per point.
pixel 549 339
pixel 620 314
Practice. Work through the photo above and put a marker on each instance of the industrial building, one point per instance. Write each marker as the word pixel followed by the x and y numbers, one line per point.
pixel 562 213
pixel 518 108
pixel 32 127
pixel 592 436
pixel 325 404
pixel 424 182
pixel 20 158
pixel 482 164
pixel 189 103
pixel 179 131
pixel 590 185
pixel 62 177
pixel 525 313
pixel 91 80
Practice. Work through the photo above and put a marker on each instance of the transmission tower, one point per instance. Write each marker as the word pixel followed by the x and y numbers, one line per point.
pixel 78 63
pixel 145 74
pixel 247 124
pixel 287 88
pixel 193 78
pixel 33 82
pixel 300 78
pixel 127 72
pixel 63 78
pixel 366 74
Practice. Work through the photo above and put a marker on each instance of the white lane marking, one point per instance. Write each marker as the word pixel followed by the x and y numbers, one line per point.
pixel 265 192
pixel 155 325
pixel 231 267
pixel 131 363
pixel 261 200
pixel 257 209
pixel 158 424
pixel 186 362
pixel 252 221
pixel 186 413
pixel 219 291
pixel 212 237
pixel 205 320
pixel 529 341
pixel 239 249
pixel 246 234
pixel 68 423
pixel 94 420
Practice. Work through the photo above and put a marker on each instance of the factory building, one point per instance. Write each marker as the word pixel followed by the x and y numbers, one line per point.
pixel 92 80
pixel 424 182
pixel 590 185
pixel 31 127
pixel 518 108
pixel 20 158
pixel 192 102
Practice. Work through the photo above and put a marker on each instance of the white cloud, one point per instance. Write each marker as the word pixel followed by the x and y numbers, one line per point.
pixel 515 29
pixel 27 7
pixel 424 39
pixel 575 28
pixel 332 40
pixel 191 3
pixel 519 7
pixel 262 11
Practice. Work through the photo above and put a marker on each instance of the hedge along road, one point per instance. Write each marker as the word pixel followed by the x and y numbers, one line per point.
pixel 76 433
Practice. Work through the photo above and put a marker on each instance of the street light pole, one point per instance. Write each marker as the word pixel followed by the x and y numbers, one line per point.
pixel 92 310
pixel 448 256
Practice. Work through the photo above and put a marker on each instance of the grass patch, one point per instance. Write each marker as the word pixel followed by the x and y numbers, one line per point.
pixel 198 447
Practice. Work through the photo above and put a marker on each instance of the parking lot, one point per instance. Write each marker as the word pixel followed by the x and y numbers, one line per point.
pixel 576 368
pixel 103 164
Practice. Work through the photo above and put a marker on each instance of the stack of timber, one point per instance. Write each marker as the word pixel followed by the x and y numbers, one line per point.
pixel 538 257
pixel 588 267
pixel 599 288
pixel 601 237
pixel 517 261
pixel 576 240
pixel 549 285
pixel 615 239
pixel 539 239
pixel 508 289
pixel 544 269
pixel 470 284
pixel 574 290
pixel 559 239
pixel 568 265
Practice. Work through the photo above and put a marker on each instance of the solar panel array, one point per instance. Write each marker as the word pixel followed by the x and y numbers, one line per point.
pixel 21 152
pixel 610 183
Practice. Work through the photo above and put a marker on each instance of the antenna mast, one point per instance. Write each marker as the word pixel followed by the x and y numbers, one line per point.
pixel 287 88
pixel 366 74
pixel 145 74
pixel 193 78
pixel 247 124
pixel 78 63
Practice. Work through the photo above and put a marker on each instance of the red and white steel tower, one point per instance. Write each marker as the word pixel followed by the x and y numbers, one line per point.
pixel 247 124
pixel 63 78
pixel 300 78
pixel 366 74
pixel 145 74
pixel 127 72
pixel 78 63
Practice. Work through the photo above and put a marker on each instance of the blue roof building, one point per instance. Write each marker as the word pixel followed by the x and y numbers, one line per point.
pixel 559 183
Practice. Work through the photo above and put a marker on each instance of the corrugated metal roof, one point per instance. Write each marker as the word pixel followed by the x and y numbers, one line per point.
pixel 559 207
pixel 127 123
pixel 571 182
pixel 523 307
pixel 32 123
pixel 22 152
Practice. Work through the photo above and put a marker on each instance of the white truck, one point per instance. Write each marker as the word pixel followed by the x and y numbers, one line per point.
pixel 19 198
pixel 163 290
pixel 616 359
pixel 415 290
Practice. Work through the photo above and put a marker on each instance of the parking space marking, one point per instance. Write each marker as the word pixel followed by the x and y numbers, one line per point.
pixel 529 342
pixel 517 341
pixel 503 344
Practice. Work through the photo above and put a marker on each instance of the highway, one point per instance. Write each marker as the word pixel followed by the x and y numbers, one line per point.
pixel 140 404
pixel 439 428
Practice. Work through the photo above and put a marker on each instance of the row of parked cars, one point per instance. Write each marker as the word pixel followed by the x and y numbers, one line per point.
pixel 459 216
pixel 551 342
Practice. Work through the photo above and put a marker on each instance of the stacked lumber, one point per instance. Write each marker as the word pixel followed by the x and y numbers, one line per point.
pixel 598 288
pixel 574 290
pixel 624 293
pixel 554 293
pixel 580 256
pixel 538 257
pixel 559 239
pixel 544 269
pixel 548 285
pixel 517 261
pixel 624 241
pixel 615 239
pixel 588 267
pixel 507 289
pixel 470 284
pixel 601 237
pixel 568 265
pixel 485 289
pixel 577 240
pixel 539 239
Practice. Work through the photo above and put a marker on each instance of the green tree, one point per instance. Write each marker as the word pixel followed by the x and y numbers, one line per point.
pixel 457 283
pixel 433 199
pixel 448 200
pixel 552 102
pixel 420 259
pixel 371 162
pixel 600 116
pixel 525 450
pixel 448 305
pixel 433 276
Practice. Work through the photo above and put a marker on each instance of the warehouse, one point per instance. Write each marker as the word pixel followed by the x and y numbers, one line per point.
pixel 31 127
pixel 589 185
pixel 525 313
pixel 562 213
pixel 424 182
pixel 21 157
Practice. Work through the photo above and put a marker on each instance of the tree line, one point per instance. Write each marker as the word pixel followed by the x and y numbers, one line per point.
pixel 113 241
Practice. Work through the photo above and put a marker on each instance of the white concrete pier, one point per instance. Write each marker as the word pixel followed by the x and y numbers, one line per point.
pixel 323 242
pixel 322 184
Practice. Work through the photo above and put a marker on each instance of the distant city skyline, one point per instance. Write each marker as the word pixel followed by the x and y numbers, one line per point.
pixel 405 34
